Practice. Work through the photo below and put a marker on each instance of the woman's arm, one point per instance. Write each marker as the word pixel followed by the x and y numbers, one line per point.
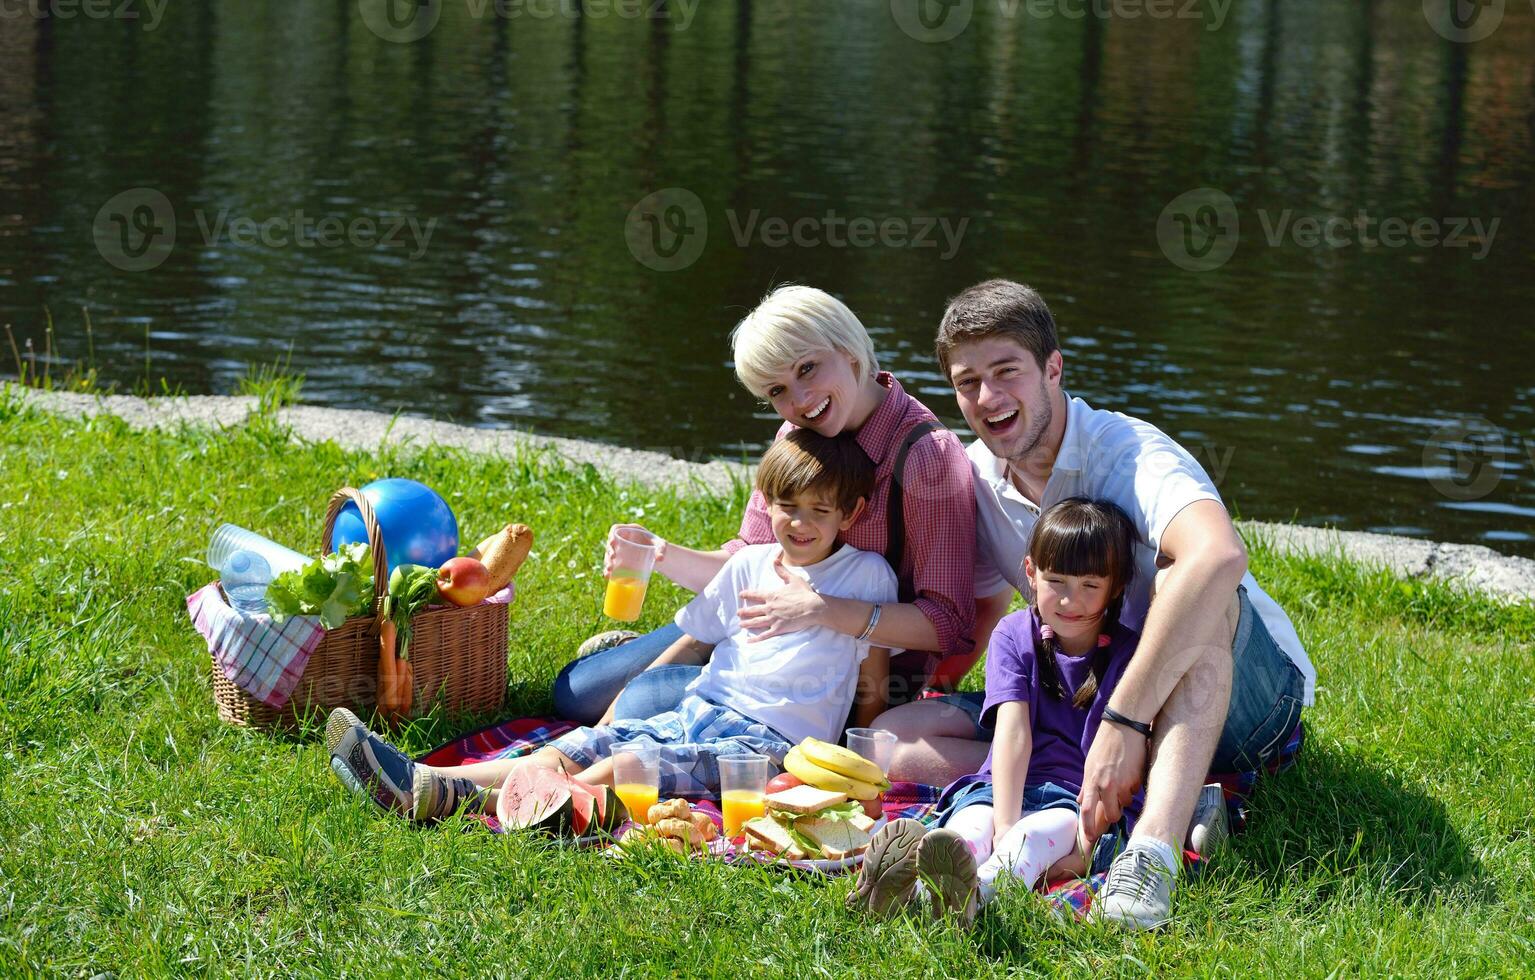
pixel 872 694
pixel 1010 749
pixel 685 650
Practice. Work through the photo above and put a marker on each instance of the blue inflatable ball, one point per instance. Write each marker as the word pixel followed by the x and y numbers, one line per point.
pixel 418 526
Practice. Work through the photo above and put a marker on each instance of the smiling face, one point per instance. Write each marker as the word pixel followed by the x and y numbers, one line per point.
pixel 1004 394
pixel 1072 605
pixel 807 524
pixel 820 392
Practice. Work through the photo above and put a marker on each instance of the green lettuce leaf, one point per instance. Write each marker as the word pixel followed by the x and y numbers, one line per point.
pixel 335 587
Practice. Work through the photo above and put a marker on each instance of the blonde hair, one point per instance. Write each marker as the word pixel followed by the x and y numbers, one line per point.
pixel 789 323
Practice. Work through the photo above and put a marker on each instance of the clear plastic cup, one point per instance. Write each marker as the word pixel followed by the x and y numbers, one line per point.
pixel 875 744
pixel 230 538
pixel 743 790
pixel 637 777
pixel 634 555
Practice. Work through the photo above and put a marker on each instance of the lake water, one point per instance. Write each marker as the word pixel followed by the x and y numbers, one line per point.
pixel 1296 235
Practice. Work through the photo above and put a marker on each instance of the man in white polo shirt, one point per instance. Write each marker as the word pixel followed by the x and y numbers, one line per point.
pixel 1219 674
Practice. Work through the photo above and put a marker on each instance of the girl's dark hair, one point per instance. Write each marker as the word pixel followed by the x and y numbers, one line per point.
pixel 1079 536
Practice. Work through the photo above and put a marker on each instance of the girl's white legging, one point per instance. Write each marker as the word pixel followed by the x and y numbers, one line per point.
pixel 1035 842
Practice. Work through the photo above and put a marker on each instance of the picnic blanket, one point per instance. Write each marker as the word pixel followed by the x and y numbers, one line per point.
pixel 521 736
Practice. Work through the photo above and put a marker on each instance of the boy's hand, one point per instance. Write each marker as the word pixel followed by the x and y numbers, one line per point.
pixel 607 553
pixel 796 606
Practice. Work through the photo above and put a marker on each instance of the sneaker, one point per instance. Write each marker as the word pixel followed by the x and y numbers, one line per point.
pixel 368 765
pixel 1210 827
pixel 438 797
pixel 604 641
pixel 947 867
pixel 889 872
pixel 1138 893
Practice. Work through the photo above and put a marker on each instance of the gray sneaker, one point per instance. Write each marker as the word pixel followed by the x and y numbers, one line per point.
pixel 888 876
pixel 1138 893
pixel 599 642
pixel 947 867
pixel 1210 827
pixel 437 797
pixel 367 764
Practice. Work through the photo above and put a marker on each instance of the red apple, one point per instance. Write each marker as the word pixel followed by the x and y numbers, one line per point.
pixel 463 581
pixel 783 781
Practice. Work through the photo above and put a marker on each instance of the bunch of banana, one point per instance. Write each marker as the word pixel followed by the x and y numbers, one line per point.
pixel 834 768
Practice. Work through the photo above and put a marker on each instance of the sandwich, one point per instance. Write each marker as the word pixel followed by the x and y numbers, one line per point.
pixel 806 823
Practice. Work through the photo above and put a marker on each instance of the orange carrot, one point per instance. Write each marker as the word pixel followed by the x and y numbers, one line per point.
pixel 388 672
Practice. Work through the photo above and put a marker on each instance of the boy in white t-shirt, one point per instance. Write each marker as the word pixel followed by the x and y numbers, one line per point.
pixel 756 694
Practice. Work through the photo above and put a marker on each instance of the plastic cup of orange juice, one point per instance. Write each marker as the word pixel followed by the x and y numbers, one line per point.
pixel 637 777
pixel 634 555
pixel 743 788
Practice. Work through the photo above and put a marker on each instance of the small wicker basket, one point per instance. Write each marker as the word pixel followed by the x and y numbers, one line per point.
pixel 458 654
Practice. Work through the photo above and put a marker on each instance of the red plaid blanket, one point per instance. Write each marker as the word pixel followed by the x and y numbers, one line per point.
pixel 520 736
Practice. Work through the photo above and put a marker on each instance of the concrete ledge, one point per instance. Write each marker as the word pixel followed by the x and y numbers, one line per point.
pixel 1469 565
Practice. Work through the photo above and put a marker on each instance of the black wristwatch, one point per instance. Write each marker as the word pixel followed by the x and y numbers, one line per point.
pixel 1114 717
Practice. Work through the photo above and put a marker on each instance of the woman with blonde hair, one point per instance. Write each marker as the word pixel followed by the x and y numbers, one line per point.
pixel 805 353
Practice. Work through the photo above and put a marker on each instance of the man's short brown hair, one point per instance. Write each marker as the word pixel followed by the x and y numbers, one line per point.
pixel 806 462
pixel 997 308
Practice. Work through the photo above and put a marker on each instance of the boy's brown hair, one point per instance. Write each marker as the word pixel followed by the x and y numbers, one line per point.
pixel 805 461
pixel 997 307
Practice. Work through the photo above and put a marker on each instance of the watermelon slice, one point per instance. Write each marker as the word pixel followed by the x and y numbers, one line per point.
pixel 557 803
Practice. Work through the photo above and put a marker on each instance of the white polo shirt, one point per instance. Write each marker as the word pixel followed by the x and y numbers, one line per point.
pixel 1107 456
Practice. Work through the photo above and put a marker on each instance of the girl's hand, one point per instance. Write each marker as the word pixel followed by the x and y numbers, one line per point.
pixel 999 832
pixel 607 554
pixel 796 606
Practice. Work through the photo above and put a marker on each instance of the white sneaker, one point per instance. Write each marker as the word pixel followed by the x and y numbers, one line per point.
pixel 1210 827
pixel 1138 893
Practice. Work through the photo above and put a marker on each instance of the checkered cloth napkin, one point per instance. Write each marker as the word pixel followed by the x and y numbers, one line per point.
pixel 264 659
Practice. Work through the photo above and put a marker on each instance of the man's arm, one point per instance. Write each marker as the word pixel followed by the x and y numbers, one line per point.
pixel 1208 562
pixel 685 650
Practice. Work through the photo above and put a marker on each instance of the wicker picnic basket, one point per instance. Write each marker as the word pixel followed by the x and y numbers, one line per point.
pixel 458 653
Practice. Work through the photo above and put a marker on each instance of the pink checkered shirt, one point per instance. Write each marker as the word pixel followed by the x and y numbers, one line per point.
pixel 939 560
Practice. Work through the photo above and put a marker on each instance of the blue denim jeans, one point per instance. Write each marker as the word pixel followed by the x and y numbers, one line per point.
pixel 1267 692
pixel 586 686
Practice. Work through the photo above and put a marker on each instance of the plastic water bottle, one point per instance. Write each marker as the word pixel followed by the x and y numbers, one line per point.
pixel 230 538
pixel 246 576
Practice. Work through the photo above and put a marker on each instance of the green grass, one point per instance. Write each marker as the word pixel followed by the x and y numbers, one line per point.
pixel 144 838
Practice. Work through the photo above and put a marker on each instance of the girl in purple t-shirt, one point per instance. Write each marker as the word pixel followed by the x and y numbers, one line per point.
pixel 1050 670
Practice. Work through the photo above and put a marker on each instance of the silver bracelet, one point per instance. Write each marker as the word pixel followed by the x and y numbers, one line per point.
pixel 873 622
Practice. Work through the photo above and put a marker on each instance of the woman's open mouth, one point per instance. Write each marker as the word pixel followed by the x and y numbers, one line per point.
pixel 1001 422
pixel 819 410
